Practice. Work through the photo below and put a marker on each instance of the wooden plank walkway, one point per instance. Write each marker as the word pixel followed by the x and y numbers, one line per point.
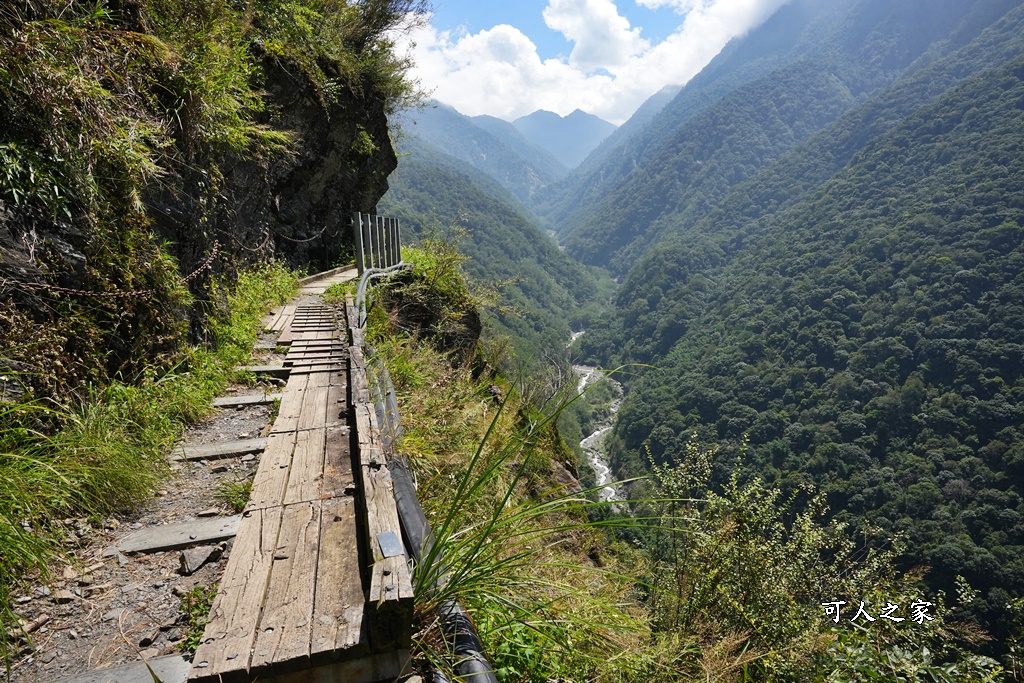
pixel 308 594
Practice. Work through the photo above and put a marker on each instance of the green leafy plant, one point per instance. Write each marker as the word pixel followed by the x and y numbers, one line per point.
pixel 195 610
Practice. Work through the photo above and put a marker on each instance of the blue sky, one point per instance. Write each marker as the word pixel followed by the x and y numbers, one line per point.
pixel 527 16
pixel 511 57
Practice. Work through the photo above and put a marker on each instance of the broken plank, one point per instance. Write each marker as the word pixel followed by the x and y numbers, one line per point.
pixel 270 320
pixel 278 371
pixel 179 535
pixel 212 451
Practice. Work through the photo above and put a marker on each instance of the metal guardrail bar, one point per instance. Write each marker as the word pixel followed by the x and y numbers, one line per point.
pixel 378 253
pixel 378 242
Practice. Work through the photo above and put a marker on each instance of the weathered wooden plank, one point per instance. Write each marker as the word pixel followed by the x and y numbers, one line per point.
pixel 282 642
pixel 388 666
pixel 370 452
pixel 337 403
pixel 317 370
pixel 324 351
pixel 314 408
pixel 286 315
pixel 325 369
pixel 291 404
pixel 319 343
pixel 339 477
pixel 359 390
pixel 270 320
pixel 270 370
pixel 310 362
pixel 390 590
pixel 179 535
pixel 271 479
pixel 248 400
pixel 169 669
pixel 307 471
pixel 212 451
pixel 340 628
pixel 224 652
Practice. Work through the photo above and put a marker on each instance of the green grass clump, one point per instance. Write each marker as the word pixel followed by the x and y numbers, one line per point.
pixel 236 333
pixel 105 451
pixel 235 493
pixel 195 607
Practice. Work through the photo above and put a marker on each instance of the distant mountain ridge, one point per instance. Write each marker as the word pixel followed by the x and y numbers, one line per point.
pixel 490 145
pixel 567 138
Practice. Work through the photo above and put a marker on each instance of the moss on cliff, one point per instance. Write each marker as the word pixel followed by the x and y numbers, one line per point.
pixel 137 135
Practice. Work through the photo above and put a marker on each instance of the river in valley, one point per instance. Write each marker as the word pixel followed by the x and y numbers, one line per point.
pixel 593 444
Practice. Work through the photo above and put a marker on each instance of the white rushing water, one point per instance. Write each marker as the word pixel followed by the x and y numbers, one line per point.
pixel 593 445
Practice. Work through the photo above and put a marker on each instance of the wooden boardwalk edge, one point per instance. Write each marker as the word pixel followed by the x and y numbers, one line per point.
pixel 391 592
pixel 318 585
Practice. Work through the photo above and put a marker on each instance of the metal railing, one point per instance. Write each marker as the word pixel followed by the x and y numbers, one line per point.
pixel 376 257
pixel 378 242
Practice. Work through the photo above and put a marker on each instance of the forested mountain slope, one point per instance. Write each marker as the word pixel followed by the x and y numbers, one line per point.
pixel 651 107
pixel 854 311
pixel 544 286
pixel 839 59
pixel 492 146
pixel 792 32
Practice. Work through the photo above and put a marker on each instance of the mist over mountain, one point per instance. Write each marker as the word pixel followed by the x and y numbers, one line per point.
pixel 569 139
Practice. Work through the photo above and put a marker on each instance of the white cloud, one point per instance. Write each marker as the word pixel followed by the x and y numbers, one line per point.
pixel 603 38
pixel 610 71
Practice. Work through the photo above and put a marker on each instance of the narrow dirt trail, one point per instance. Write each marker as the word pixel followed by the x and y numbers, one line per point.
pixel 106 608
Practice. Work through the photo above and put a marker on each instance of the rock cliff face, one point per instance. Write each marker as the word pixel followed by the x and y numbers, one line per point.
pixel 293 205
pixel 296 205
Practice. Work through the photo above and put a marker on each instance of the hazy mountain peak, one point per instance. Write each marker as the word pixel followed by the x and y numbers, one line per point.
pixel 568 138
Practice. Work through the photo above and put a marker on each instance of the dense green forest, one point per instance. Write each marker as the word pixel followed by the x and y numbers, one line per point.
pixel 758 101
pixel 540 291
pixel 848 318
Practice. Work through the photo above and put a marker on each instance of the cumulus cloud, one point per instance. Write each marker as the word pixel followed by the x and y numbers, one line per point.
pixel 610 71
pixel 602 38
